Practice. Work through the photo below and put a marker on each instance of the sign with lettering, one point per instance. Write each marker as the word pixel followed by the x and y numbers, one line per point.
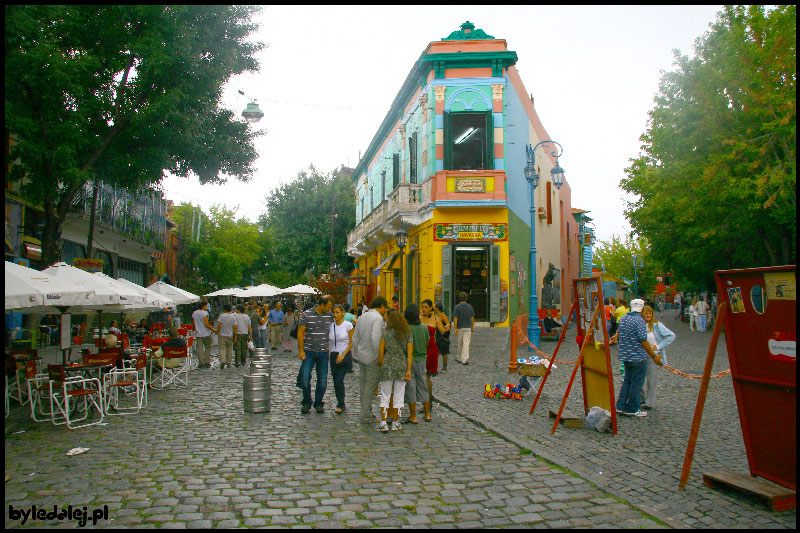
pixel 470 232
pixel 470 184
pixel 89 265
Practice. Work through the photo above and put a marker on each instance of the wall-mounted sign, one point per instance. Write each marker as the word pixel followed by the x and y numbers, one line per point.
pixel 470 232
pixel 470 185
pixel 357 280
pixel 89 265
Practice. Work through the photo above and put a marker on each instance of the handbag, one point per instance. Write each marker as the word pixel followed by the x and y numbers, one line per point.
pixel 443 341
pixel 293 333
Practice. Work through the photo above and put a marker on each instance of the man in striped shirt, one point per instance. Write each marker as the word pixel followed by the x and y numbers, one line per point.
pixel 634 349
pixel 313 344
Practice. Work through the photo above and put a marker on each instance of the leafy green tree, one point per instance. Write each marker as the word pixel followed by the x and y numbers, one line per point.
pixel 617 256
pixel 299 216
pixel 716 182
pixel 225 254
pixel 122 93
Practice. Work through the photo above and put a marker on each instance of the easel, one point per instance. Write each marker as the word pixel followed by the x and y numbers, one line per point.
pixel 596 294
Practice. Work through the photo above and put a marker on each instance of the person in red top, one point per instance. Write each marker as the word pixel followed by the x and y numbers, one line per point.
pixel 396 302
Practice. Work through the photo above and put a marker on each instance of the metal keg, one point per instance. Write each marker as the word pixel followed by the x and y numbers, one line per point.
pixel 259 367
pixel 258 351
pixel 257 393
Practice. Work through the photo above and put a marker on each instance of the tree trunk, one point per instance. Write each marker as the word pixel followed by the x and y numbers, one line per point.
pixel 51 251
pixel 92 215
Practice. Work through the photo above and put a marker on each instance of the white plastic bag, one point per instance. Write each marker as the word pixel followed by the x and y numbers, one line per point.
pixel 598 419
pixel 251 346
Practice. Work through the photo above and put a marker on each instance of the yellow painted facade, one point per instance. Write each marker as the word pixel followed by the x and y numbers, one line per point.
pixel 428 277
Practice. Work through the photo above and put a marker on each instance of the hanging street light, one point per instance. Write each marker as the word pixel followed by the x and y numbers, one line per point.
pixel 252 113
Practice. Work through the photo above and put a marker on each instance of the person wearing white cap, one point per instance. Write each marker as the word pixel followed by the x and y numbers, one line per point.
pixel 634 349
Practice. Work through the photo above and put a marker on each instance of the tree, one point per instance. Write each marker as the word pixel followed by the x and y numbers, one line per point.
pixel 716 182
pixel 299 216
pixel 616 257
pixel 226 253
pixel 121 93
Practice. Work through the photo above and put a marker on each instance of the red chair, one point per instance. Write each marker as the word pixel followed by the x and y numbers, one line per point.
pixel 177 376
pixel 127 377
pixel 64 389
pixel 38 390
pixel 17 381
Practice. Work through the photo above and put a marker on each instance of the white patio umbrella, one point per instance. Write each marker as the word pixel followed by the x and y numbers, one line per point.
pixel 265 290
pixel 180 296
pixel 109 295
pixel 300 289
pixel 159 300
pixel 28 290
pixel 232 291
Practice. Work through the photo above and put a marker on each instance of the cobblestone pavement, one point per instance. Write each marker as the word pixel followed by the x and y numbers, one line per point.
pixel 193 458
pixel 643 462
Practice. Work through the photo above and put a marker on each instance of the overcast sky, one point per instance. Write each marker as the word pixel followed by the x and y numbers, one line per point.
pixel 330 73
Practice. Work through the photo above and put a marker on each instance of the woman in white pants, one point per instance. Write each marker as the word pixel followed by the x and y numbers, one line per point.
pixel 693 314
pixel 395 358
pixel 659 337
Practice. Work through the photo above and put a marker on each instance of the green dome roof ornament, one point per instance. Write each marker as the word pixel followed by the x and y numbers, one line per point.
pixel 467 32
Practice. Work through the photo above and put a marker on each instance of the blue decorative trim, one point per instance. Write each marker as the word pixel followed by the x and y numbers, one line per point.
pixel 438 122
pixel 439 165
pixel 470 203
pixel 499 164
pixel 498 120
pixel 481 98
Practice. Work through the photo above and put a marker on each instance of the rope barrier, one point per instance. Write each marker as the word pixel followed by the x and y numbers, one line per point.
pixel 544 355
pixel 666 367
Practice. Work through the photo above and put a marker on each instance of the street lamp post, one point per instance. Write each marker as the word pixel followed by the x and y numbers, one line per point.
pixel 401 237
pixel 557 173
pixel 637 263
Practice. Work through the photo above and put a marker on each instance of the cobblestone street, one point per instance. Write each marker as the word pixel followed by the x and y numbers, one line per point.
pixel 193 458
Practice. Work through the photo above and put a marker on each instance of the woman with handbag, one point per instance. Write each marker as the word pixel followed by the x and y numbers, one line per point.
pixel 341 357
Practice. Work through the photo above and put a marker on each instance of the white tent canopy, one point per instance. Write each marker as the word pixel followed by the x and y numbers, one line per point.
pixel 179 296
pixel 109 295
pixel 300 289
pixel 265 290
pixel 29 290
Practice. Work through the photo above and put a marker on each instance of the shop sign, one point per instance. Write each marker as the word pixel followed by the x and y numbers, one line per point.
pixel 470 232
pixel 89 265
pixel 470 184
pixel 357 280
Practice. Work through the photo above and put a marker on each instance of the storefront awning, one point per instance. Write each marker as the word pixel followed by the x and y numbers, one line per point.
pixel 377 270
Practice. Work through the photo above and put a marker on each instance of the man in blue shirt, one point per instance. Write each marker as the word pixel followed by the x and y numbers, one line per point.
pixel 276 318
pixel 633 352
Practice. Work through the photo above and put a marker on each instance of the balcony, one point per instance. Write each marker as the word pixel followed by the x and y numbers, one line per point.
pixel 140 218
pixel 407 206
pixel 469 188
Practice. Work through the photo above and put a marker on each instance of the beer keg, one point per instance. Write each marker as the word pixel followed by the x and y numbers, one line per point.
pixel 257 393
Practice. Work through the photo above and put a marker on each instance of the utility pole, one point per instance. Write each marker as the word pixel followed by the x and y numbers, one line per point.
pixel 333 215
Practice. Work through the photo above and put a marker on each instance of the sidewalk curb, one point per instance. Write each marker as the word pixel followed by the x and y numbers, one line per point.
pixel 599 482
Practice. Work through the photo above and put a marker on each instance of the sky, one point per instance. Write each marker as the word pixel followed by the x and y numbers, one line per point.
pixel 329 74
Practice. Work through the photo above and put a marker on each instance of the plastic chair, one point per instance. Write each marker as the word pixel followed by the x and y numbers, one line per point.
pixel 63 389
pixel 178 376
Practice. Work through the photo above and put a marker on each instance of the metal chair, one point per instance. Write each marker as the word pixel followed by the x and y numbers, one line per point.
pixel 177 376
pixel 118 379
pixel 38 391
pixel 63 389
pixel 17 388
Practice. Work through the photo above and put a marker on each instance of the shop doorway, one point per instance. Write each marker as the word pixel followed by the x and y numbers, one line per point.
pixel 471 275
